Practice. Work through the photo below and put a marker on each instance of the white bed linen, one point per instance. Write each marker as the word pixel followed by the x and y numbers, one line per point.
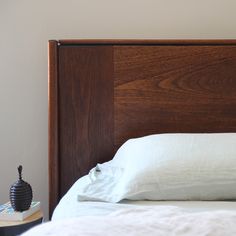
pixel 180 166
pixel 70 207
pixel 139 218
pixel 142 221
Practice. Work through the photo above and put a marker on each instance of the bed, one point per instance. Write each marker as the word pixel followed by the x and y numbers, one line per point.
pixel 105 92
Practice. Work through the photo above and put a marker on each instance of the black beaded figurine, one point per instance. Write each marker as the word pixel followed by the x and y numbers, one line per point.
pixel 21 194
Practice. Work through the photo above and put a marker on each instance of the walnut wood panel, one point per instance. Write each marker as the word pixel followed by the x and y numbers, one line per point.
pixel 174 89
pixel 53 161
pixel 86 110
pixel 102 92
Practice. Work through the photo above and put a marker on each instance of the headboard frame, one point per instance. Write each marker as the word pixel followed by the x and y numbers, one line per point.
pixel 103 92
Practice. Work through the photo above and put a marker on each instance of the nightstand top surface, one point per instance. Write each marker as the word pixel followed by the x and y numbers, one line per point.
pixel 37 215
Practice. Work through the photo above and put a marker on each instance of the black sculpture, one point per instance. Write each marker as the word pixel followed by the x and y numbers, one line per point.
pixel 21 194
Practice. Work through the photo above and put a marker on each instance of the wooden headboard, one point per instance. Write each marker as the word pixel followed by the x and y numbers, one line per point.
pixel 103 92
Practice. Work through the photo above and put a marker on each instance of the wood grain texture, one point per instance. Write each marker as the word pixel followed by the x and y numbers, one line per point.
pixel 53 152
pixel 86 110
pixel 102 92
pixel 174 89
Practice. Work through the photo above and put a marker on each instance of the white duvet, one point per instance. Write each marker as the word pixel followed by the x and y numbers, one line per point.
pixel 157 220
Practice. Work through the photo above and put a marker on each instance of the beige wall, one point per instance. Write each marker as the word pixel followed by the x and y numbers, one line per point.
pixel 26 26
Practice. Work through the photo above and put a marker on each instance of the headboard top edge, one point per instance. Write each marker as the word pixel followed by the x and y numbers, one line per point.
pixel 146 41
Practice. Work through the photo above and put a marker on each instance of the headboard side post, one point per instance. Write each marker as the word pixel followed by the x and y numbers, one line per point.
pixel 53 125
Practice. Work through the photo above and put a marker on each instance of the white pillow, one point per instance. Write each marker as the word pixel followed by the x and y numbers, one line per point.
pixel 167 167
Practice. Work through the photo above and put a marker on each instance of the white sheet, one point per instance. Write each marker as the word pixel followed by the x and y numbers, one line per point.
pixel 139 218
pixel 69 207
pixel 141 221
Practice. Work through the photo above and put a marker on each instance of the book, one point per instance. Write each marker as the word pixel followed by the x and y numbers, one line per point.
pixel 7 213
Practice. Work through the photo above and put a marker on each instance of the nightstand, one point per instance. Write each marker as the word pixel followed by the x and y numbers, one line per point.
pixel 12 228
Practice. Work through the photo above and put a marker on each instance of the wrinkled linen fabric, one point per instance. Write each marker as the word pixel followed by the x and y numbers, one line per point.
pixel 167 167
pixel 158 220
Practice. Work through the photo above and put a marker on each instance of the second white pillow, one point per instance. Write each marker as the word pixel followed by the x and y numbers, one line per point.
pixel 168 167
